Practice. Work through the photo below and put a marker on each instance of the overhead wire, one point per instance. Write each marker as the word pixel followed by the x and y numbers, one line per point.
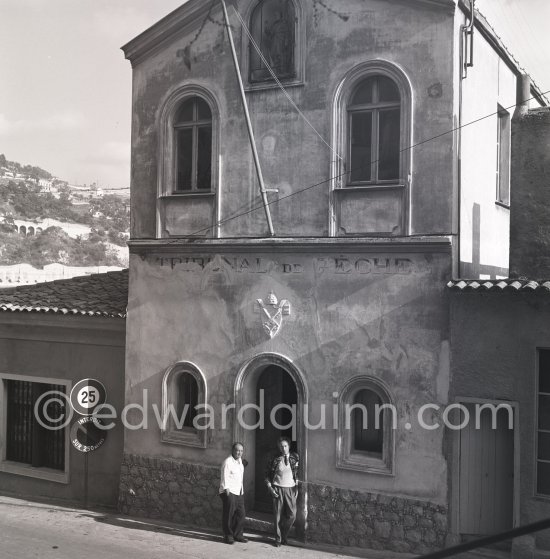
pixel 278 82
pixel 335 177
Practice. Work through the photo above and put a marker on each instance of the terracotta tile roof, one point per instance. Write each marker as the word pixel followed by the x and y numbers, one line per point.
pixel 509 285
pixel 94 295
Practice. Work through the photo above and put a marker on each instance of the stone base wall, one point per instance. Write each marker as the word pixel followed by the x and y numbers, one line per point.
pixel 170 490
pixel 188 493
pixel 358 519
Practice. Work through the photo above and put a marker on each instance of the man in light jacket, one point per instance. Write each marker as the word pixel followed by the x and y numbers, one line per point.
pixel 282 484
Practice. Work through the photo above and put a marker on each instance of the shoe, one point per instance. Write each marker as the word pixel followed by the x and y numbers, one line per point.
pixel 229 539
pixel 284 542
pixel 241 539
pixel 277 544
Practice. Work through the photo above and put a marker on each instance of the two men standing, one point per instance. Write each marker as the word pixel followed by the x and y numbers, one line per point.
pixel 282 484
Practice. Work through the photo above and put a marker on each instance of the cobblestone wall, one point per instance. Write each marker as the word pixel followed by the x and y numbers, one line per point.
pixel 188 493
pixel 170 490
pixel 375 521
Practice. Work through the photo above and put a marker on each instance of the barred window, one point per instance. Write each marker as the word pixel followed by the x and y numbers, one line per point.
pixel 29 441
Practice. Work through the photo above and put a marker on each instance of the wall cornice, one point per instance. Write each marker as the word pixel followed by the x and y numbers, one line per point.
pixel 422 244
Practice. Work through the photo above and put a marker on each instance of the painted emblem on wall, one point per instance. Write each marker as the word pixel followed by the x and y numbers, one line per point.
pixel 272 312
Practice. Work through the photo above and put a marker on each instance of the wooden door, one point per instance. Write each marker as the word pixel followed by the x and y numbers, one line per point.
pixel 486 474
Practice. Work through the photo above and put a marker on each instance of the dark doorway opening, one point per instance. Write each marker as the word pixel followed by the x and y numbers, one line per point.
pixel 278 388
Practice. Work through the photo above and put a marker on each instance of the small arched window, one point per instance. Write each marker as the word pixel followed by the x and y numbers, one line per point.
pixel 366 427
pixel 183 398
pixel 273 28
pixel 187 399
pixel 193 141
pixel 374 116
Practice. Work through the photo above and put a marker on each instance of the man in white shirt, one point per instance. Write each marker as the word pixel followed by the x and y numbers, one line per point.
pixel 232 495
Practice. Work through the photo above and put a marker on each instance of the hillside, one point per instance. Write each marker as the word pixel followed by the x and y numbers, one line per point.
pixel 31 197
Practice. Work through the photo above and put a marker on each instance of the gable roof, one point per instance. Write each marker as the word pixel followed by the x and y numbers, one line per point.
pixel 189 17
pixel 94 295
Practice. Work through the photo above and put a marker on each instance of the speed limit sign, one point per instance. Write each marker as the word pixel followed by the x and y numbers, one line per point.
pixel 86 395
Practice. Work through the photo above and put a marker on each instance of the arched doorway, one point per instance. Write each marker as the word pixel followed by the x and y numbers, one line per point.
pixel 275 380
pixel 276 388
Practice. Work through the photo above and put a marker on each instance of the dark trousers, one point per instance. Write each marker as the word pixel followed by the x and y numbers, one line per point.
pixel 233 515
pixel 284 511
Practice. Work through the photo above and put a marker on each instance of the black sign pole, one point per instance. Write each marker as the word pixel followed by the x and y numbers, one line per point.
pixel 85 480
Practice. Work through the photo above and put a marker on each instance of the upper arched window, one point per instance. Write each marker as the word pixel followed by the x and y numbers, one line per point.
pixel 372 124
pixel 374 117
pixel 273 29
pixel 193 140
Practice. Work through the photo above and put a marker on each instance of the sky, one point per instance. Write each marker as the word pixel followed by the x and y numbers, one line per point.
pixel 65 87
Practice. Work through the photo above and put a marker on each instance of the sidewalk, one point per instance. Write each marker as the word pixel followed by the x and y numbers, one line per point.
pixel 30 529
pixel 41 530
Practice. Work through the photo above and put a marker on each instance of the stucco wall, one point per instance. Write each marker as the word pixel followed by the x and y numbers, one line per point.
pixel 484 225
pixel 530 225
pixel 380 314
pixel 415 38
pixel 69 348
pixel 494 338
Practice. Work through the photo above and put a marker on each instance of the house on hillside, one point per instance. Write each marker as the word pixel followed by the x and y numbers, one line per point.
pixel 328 286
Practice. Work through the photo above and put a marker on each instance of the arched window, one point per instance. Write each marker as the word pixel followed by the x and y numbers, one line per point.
pixel 374 116
pixel 187 399
pixel 273 28
pixel 372 124
pixel 366 426
pixel 193 140
pixel 188 171
pixel 183 398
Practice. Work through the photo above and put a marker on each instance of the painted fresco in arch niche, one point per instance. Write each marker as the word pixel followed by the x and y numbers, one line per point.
pixel 273 26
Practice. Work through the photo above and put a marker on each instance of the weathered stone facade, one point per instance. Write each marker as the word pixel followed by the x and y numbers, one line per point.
pixel 362 519
pixel 169 490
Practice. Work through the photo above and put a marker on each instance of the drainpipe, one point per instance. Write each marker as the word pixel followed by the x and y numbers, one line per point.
pixel 466 61
pixel 468 34
pixel 523 96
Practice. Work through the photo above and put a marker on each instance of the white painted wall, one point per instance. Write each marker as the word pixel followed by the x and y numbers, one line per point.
pixel 489 83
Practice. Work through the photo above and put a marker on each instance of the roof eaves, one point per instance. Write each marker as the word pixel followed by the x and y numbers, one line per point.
pixel 489 33
pixel 175 24
pixel 508 285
